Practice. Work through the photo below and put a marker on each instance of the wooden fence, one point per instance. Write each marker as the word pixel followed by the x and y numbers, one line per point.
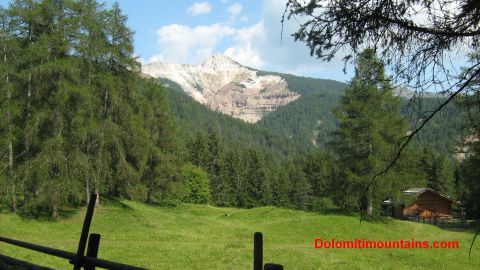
pixel 90 261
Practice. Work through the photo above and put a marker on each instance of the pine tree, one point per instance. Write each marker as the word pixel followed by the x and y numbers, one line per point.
pixel 76 117
pixel 445 175
pixel 429 166
pixel 196 185
pixel 10 108
pixel 218 185
pixel 469 175
pixel 255 180
pixel 370 125
pixel 301 192
pixel 198 151
pixel 162 152
pixel 232 192
pixel 281 187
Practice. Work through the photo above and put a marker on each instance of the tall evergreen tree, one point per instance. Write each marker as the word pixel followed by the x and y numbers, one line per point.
pixel 301 192
pixel 76 118
pixel 232 191
pixel 281 187
pixel 370 125
pixel 198 150
pixel 255 180
pixel 10 108
pixel 213 166
pixel 429 166
pixel 163 152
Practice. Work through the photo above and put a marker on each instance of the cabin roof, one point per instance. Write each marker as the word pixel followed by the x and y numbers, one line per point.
pixel 418 191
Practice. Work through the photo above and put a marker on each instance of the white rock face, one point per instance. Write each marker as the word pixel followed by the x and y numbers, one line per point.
pixel 226 86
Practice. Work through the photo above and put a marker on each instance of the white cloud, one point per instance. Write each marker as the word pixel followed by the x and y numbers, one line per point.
pixel 199 8
pixel 257 45
pixel 184 44
pixel 234 10
pixel 245 55
pixel 245 49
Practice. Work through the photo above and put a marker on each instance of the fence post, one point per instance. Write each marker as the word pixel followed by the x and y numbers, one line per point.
pixel 92 249
pixel 258 251
pixel 273 266
pixel 86 228
pixel 464 219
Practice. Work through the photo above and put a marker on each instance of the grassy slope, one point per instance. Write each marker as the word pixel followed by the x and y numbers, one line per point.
pixel 204 237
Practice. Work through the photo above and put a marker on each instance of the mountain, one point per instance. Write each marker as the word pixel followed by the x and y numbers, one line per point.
pixel 194 118
pixel 296 121
pixel 226 86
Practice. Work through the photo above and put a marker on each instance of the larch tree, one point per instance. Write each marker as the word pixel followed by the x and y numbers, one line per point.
pixel 10 108
pixel 370 125
pixel 423 42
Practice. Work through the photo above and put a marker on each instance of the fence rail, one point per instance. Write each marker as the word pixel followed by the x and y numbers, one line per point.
pixel 78 259
pixel 90 261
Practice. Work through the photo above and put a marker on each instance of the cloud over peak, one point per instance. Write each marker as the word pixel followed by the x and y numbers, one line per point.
pixel 199 8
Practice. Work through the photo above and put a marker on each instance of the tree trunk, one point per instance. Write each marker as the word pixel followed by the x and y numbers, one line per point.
pixel 149 197
pixel 370 191
pixel 97 201
pixel 370 202
pixel 10 143
pixel 87 189
pixel 10 176
pixel 55 211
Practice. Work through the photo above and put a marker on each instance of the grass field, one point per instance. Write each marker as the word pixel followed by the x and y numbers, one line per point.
pixel 205 237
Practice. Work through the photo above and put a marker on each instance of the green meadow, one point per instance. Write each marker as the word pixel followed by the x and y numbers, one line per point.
pixel 205 237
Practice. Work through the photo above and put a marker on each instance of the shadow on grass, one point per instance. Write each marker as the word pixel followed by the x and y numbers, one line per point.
pixel 337 212
pixel 28 212
pixel 109 200
pixel 473 227
pixel 46 215
pixel 166 203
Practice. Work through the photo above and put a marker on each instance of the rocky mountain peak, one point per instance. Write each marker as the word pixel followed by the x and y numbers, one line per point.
pixel 226 86
pixel 219 61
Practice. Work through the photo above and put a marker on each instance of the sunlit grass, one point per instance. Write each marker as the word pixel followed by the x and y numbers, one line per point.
pixel 206 237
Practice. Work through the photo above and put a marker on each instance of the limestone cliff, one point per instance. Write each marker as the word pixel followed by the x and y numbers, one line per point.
pixel 226 86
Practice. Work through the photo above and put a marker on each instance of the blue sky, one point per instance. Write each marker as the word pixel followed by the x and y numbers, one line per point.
pixel 247 31
pixel 188 31
pixel 185 31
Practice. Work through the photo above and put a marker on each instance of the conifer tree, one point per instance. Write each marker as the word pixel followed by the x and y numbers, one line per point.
pixel 10 109
pixel 255 180
pixel 163 155
pixel 218 185
pixel 370 125
pixel 301 192
pixel 231 192
pixel 429 166
pixel 281 187
pixel 196 185
pixel 198 151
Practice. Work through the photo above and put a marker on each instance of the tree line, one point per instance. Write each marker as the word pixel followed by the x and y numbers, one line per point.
pixel 370 125
pixel 77 116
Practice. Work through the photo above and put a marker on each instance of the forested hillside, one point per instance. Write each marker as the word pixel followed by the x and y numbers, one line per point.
pixel 310 119
pixel 75 116
pixel 193 118
pixel 307 123
pixel 78 116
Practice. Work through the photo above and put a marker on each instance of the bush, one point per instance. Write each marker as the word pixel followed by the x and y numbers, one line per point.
pixel 196 185
pixel 324 204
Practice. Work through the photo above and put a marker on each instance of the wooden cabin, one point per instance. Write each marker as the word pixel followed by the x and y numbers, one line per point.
pixel 427 204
